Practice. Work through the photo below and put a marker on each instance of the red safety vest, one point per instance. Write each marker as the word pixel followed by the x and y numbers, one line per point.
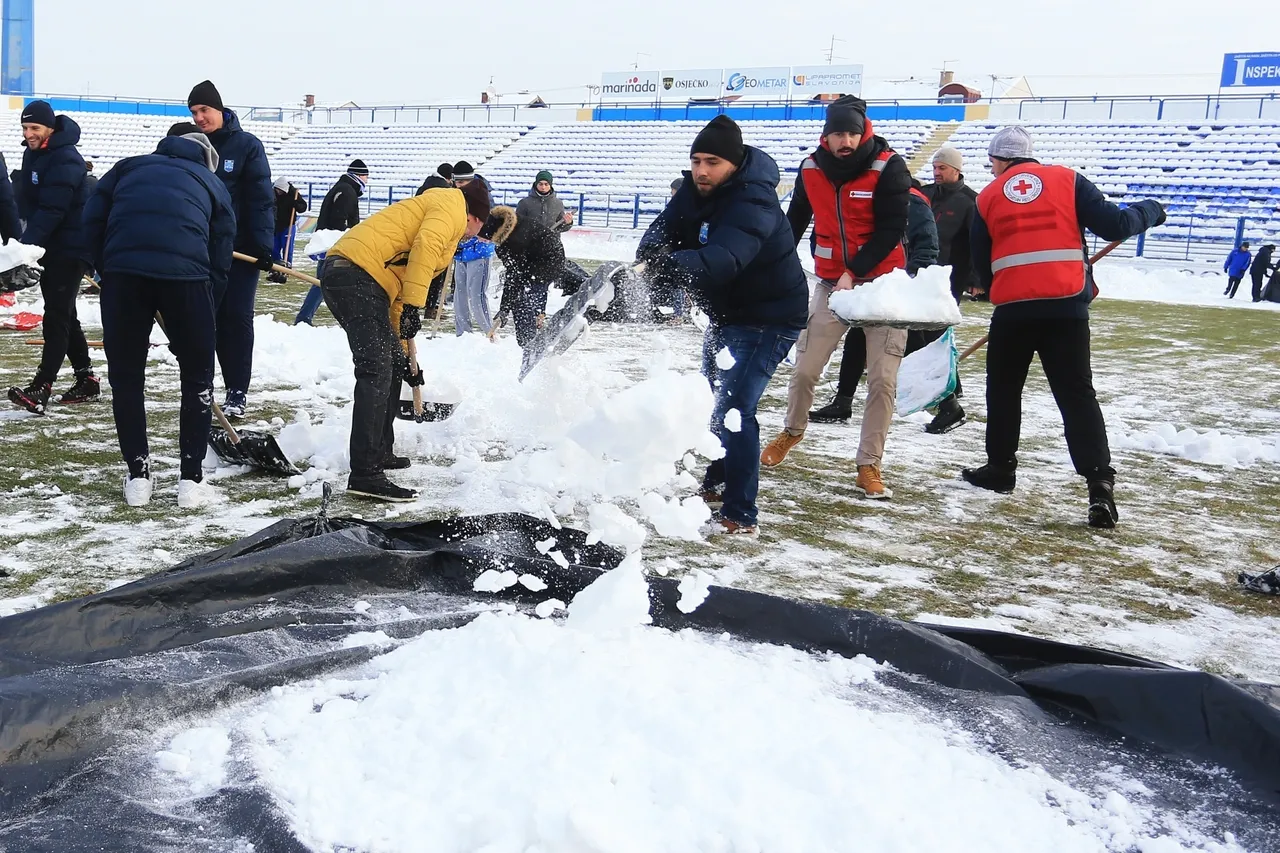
pixel 843 227
pixel 1037 247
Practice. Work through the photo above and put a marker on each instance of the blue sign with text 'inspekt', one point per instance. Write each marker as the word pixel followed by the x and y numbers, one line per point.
pixel 1251 69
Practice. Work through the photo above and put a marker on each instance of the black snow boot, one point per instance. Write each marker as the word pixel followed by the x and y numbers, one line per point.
pixel 838 410
pixel 391 462
pixel 1102 504
pixel 991 477
pixel 379 488
pixel 950 415
pixel 34 398
pixel 86 389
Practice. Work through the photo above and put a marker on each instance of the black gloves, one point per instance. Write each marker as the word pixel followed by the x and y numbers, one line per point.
pixel 407 373
pixel 1164 214
pixel 410 322
pixel 19 278
pixel 265 261
pixel 277 277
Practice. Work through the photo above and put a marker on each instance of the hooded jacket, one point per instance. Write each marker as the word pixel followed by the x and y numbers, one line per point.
pixel 1261 261
pixel 407 244
pixel 1237 263
pixel 163 215
pixel 734 248
pixel 546 209
pixel 288 205
pixel 52 193
pixel 246 174
pixel 340 209
pixel 531 254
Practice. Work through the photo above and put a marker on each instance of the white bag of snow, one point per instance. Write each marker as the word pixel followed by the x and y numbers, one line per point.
pixel 321 242
pixel 15 254
pixel 898 300
pixel 928 375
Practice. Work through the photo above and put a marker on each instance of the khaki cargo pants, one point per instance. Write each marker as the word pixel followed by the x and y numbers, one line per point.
pixel 885 348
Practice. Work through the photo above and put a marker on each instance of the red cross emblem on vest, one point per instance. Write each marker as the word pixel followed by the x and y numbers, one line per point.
pixel 1023 188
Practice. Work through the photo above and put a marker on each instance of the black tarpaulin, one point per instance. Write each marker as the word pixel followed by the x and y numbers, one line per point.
pixel 82 681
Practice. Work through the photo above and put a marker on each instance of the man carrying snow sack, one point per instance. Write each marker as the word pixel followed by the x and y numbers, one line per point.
pixel 1030 255
pixel 160 229
pixel 340 211
pixel 543 205
pixel 856 191
pixel 471 286
pixel 375 283
pixel 51 200
pixel 922 251
pixel 533 258
pixel 289 203
pixel 243 168
pixel 725 238
pixel 1237 264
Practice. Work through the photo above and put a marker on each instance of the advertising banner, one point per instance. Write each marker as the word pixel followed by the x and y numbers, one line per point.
pixel 702 83
pixel 638 85
pixel 757 82
pixel 810 80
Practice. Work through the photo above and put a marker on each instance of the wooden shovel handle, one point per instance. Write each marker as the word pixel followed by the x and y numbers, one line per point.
pixel 278 268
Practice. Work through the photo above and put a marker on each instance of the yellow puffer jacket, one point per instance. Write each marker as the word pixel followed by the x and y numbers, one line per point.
pixel 405 245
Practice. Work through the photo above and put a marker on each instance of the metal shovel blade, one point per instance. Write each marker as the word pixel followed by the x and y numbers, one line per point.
pixel 255 449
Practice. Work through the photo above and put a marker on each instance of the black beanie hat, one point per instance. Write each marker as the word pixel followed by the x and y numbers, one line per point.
pixel 846 114
pixel 445 170
pixel 462 170
pixel 358 168
pixel 38 112
pixel 182 128
pixel 205 94
pixel 721 138
pixel 477 198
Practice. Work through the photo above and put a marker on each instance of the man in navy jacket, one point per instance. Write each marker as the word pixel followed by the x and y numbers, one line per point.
pixel 51 196
pixel 244 170
pixel 160 228
pixel 725 238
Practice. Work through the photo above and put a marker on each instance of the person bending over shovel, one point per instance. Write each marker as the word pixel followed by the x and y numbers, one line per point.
pixel 533 257
pixel 1029 254
pixel 375 283
pixel 160 229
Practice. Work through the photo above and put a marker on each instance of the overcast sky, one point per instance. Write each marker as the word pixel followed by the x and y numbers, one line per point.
pixel 400 51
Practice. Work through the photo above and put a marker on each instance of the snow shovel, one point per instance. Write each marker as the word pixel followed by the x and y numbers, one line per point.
pixel 563 328
pixel 252 448
pixel 310 279
pixel 416 409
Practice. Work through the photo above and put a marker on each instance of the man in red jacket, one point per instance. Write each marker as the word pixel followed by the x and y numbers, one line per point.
pixel 1029 254
pixel 857 191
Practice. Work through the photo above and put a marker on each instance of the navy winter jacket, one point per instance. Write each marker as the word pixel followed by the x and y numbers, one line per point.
pixel 51 198
pixel 734 248
pixel 162 215
pixel 922 235
pixel 10 224
pixel 1094 213
pixel 1237 263
pixel 243 167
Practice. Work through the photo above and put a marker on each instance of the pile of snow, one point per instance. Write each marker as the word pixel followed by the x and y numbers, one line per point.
pixel 1211 447
pixel 322 241
pixel 901 300
pixel 601 244
pixel 515 734
pixel 15 254
pixel 1145 282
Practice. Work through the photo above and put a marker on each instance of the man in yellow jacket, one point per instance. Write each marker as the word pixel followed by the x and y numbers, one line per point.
pixel 375 283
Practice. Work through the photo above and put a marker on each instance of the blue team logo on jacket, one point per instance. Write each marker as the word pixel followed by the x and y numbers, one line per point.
pixel 702 232
pixel 228 165
pixel 35 177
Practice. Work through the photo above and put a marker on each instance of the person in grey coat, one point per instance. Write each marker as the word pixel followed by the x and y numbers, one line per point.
pixel 543 205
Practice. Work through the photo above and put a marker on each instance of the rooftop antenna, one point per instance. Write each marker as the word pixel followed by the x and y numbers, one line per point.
pixel 831 51
pixel 635 66
pixel 945 75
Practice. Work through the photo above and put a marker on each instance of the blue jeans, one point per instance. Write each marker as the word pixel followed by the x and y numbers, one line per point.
pixel 284 246
pixel 757 351
pixel 471 296
pixel 311 304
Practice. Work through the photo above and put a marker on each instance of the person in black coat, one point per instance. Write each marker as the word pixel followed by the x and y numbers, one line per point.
pixel 725 238
pixel 161 228
pixel 1259 268
pixel 243 168
pixel 339 211
pixel 442 178
pixel 289 203
pixel 51 200
pixel 10 222
pixel 533 258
